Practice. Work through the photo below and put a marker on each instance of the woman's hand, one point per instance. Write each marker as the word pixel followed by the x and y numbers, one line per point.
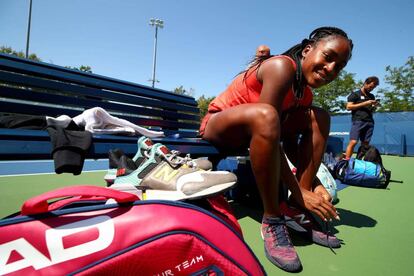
pixel 318 205
pixel 321 190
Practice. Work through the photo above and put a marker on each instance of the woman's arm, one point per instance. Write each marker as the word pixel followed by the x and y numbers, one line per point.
pixel 276 75
pixel 314 202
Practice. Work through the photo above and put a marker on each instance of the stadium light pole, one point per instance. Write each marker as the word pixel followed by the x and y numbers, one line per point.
pixel 28 28
pixel 157 23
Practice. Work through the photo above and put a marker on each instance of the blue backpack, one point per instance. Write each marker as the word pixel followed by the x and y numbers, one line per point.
pixel 362 173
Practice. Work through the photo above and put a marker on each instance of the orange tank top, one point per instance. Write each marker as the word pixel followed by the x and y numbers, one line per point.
pixel 246 88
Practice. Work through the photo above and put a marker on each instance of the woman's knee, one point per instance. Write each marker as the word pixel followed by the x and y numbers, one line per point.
pixel 265 122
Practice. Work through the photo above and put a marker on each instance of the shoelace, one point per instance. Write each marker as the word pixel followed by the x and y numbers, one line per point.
pixel 328 228
pixel 281 233
pixel 328 233
pixel 175 160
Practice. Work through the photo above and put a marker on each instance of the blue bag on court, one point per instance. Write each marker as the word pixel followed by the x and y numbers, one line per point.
pixel 361 173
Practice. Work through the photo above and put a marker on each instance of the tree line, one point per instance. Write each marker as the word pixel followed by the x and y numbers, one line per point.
pixel 20 54
pixel 397 95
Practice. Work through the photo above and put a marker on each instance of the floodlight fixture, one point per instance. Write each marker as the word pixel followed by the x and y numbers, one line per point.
pixel 157 23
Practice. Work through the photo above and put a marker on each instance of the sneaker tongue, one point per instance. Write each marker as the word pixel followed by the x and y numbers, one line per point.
pixel 125 166
pixel 114 155
pixel 274 220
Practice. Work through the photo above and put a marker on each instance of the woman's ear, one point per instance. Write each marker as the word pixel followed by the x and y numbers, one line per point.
pixel 306 50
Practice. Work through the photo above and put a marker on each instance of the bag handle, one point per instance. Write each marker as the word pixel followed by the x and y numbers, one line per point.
pixel 39 204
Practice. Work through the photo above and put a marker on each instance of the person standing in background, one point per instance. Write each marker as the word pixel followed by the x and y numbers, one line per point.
pixel 362 103
pixel 263 51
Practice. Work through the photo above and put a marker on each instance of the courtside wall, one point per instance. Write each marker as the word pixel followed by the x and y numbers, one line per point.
pixel 393 133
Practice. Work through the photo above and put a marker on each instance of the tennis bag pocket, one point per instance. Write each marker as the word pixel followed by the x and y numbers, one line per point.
pixel 130 237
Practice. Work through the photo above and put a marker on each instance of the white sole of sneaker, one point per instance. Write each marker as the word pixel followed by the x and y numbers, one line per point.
pixel 178 195
pixel 110 176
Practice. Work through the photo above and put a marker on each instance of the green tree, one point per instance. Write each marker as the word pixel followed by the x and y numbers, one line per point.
pixel 398 97
pixel 180 90
pixel 20 54
pixel 203 103
pixel 10 51
pixel 83 68
pixel 332 97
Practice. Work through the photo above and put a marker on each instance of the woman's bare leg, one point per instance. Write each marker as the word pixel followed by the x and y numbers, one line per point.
pixel 257 126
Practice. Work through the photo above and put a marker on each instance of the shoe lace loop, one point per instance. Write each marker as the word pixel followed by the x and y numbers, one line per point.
pixel 175 160
pixel 280 233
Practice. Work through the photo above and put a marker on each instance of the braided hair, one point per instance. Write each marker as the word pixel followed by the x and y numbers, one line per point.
pixel 296 54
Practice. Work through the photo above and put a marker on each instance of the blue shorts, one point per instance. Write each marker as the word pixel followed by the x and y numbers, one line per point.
pixel 361 131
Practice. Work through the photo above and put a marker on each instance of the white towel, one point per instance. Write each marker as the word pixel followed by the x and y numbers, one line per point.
pixel 98 120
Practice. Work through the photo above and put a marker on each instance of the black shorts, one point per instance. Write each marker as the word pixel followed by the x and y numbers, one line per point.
pixel 361 131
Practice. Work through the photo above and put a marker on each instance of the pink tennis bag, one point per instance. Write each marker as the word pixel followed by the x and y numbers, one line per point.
pixel 130 237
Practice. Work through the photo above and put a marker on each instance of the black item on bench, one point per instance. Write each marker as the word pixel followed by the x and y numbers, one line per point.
pixel 23 121
pixel 69 144
pixel 69 148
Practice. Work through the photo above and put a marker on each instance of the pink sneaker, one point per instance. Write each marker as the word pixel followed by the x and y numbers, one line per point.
pixel 277 245
pixel 303 222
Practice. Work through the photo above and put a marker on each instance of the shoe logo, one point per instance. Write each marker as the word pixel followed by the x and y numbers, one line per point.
pixel 120 172
pixel 166 173
pixel 301 218
pixel 164 149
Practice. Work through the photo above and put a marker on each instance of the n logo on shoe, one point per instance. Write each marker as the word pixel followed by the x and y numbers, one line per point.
pixel 166 173
pixel 301 218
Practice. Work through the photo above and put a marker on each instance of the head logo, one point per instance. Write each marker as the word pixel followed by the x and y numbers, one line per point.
pixel 54 241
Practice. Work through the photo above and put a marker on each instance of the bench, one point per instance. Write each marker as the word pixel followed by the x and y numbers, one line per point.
pixel 37 88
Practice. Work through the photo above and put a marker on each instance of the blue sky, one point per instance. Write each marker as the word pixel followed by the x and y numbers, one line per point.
pixel 204 43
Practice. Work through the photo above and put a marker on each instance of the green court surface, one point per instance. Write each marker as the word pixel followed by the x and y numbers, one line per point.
pixel 376 225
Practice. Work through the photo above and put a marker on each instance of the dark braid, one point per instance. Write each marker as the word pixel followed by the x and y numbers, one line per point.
pixel 296 52
pixel 255 62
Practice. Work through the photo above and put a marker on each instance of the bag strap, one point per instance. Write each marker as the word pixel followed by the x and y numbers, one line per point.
pixel 39 204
